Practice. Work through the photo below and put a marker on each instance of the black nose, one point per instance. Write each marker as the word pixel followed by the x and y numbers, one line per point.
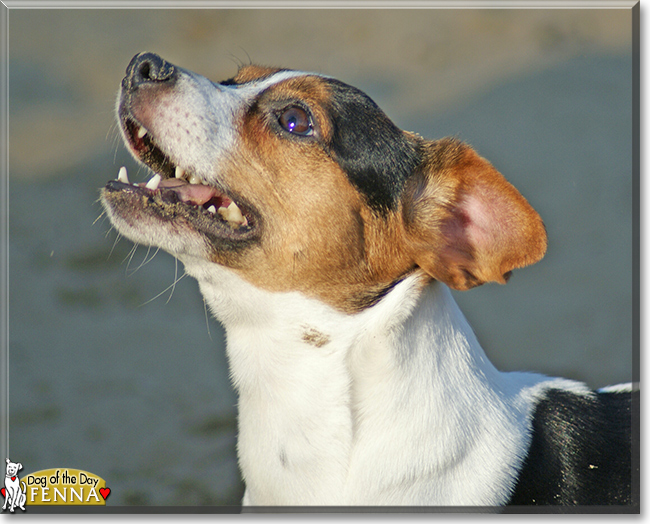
pixel 146 68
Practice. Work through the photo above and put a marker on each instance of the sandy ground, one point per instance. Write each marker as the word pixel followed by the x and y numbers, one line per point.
pixel 114 372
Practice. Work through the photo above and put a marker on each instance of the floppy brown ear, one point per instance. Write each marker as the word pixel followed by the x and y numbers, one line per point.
pixel 466 224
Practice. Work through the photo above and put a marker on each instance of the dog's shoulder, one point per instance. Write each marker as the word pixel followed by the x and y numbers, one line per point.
pixel 581 449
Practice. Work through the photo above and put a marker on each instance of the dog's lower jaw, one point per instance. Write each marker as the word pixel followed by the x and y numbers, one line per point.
pixel 396 405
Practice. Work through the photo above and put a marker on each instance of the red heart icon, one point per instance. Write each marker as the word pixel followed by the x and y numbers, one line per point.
pixel 3 491
pixel 13 478
pixel 105 492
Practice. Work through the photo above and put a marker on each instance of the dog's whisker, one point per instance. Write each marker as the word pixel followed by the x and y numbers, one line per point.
pixel 117 238
pixel 207 319
pixel 102 215
pixel 129 258
pixel 176 279
pixel 147 258
pixel 168 288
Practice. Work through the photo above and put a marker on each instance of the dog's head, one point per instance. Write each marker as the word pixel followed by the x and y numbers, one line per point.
pixel 13 468
pixel 296 181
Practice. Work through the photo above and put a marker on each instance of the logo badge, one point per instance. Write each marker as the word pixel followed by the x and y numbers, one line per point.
pixel 56 486
pixel 14 489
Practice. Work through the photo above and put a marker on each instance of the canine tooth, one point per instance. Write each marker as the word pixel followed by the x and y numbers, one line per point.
pixel 193 179
pixel 141 132
pixel 122 175
pixel 178 172
pixel 233 214
pixel 153 183
pixel 212 209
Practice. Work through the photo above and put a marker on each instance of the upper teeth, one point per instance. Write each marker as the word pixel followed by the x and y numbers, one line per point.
pixel 122 176
pixel 233 214
pixel 141 132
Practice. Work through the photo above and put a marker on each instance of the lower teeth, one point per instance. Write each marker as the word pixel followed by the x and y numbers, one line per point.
pixel 153 183
pixel 122 175
pixel 231 214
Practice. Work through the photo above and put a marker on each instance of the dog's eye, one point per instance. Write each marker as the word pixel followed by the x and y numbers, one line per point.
pixel 296 120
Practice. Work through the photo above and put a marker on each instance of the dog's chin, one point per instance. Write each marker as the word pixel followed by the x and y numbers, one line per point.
pixel 175 202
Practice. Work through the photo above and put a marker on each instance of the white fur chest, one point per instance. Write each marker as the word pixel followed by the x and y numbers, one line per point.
pixel 381 407
pixel 287 358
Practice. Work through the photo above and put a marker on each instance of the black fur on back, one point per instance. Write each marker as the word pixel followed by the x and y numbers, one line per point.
pixel 581 451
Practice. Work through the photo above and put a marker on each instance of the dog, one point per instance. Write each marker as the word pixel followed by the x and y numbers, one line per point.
pixel 14 495
pixel 325 240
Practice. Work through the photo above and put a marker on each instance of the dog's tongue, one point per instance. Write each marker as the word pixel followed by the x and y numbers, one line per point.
pixel 194 193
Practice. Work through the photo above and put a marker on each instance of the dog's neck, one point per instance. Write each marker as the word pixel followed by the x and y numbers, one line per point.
pixel 351 409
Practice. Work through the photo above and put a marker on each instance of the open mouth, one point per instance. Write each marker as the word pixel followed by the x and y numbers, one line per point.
pixel 171 185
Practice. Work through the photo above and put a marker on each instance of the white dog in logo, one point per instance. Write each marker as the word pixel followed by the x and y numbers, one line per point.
pixel 12 491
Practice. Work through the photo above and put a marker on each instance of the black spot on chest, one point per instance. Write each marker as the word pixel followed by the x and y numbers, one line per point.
pixel 283 458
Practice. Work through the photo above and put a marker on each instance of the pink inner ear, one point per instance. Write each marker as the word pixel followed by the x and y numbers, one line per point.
pixel 471 225
pixel 479 220
pixel 467 233
pixel 485 236
pixel 493 220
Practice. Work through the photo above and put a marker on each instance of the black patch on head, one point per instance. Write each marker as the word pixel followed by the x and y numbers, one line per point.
pixel 371 149
pixel 581 451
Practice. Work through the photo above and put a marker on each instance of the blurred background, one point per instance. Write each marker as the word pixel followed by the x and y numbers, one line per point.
pixel 115 366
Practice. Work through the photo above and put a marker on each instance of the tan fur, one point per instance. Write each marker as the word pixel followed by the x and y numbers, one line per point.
pixel 309 90
pixel 251 73
pixel 321 239
pixel 318 235
pixel 314 225
pixel 453 242
pixel 458 220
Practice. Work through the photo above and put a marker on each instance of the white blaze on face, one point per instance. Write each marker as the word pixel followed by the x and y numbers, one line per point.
pixel 197 122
